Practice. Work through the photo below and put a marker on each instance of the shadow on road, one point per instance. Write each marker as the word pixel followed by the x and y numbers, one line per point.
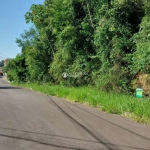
pixel 57 141
pixel 107 144
pixel 9 87
pixel 101 140
pixel 148 139
pixel 38 141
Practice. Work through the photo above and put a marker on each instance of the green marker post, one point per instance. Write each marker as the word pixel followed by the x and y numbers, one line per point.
pixel 139 93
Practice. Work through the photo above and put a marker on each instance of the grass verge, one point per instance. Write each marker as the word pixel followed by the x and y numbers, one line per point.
pixel 114 103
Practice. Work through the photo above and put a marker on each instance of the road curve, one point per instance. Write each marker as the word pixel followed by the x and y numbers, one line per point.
pixel 34 121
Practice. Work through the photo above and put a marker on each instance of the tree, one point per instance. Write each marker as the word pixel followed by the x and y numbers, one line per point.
pixel 141 57
pixel 16 69
pixel 114 42
pixel 98 42
pixel 1 63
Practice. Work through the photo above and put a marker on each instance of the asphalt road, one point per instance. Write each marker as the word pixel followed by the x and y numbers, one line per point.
pixel 34 121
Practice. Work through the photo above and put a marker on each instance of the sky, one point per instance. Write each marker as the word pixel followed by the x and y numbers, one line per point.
pixel 12 24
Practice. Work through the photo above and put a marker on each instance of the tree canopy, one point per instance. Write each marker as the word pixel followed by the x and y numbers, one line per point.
pixel 104 43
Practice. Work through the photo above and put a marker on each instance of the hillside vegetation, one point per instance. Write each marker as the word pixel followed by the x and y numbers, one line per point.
pixel 101 43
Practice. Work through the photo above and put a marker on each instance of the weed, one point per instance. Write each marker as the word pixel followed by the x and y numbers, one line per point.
pixel 115 103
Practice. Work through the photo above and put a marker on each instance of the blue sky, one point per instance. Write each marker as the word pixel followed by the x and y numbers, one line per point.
pixel 12 24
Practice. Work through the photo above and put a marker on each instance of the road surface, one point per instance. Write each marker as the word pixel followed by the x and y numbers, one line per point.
pixel 34 121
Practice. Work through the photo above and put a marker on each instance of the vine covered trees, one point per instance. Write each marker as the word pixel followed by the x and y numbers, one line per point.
pixel 104 43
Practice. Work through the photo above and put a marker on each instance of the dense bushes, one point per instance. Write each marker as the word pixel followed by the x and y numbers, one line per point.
pixel 102 43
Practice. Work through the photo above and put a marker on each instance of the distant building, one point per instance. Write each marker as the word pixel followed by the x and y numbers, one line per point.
pixel 6 61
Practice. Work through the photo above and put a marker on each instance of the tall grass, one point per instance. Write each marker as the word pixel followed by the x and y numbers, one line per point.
pixel 128 105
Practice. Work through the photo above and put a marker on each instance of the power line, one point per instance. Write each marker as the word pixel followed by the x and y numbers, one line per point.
pixel 3 55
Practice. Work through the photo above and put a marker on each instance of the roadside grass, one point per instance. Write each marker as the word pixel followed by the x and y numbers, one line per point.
pixel 114 103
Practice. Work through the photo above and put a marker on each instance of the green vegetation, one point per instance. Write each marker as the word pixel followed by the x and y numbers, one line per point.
pixel 98 43
pixel 104 43
pixel 115 103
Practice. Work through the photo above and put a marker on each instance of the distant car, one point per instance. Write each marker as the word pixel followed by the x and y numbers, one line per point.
pixel 1 74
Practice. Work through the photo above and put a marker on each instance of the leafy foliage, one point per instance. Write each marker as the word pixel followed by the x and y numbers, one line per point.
pixel 113 40
pixel 16 69
pixel 141 57
pixel 104 43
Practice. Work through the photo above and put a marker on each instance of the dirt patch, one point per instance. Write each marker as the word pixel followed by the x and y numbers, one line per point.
pixel 142 80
